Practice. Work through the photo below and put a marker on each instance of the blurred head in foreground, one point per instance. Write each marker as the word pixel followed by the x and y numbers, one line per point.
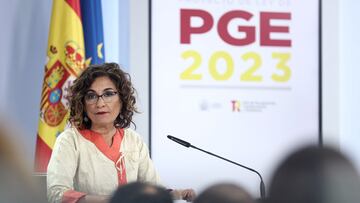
pixel 315 175
pixel 138 192
pixel 224 193
pixel 16 184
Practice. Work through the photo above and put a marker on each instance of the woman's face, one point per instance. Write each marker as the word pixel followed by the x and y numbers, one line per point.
pixel 102 111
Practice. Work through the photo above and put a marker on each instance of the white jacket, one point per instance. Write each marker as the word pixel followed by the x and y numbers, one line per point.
pixel 77 164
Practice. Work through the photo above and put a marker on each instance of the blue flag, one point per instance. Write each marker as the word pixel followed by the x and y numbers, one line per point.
pixel 93 31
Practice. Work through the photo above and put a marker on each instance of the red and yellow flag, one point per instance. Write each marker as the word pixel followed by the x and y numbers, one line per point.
pixel 65 60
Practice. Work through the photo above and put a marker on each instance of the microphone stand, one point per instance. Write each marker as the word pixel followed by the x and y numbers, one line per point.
pixel 187 144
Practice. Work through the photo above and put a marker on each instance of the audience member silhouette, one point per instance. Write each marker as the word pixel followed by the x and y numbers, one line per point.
pixel 16 183
pixel 315 175
pixel 140 192
pixel 224 193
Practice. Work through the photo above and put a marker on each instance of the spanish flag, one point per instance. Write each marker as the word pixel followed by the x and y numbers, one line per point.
pixel 65 61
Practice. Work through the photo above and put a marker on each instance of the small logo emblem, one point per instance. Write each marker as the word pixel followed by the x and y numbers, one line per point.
pixel 235 104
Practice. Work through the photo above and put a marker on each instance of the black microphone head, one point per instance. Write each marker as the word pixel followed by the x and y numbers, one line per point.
pixel 180 141
pixel 262 189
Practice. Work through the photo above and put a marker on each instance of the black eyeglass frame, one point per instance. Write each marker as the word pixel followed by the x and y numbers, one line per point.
pixel 94 101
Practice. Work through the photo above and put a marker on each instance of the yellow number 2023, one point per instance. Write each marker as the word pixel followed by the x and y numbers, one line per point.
pixel 248 76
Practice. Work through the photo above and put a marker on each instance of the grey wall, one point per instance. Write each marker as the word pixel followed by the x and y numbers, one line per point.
pixel 340 76
pixel 23 39
pixel 349 83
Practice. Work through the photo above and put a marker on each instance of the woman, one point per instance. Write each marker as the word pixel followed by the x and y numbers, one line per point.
pixel 99 152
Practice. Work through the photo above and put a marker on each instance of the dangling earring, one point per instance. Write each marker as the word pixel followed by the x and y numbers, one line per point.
pixel 117 120
pixel 86 119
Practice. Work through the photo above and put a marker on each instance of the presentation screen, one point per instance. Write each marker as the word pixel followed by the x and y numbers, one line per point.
pixel 237 78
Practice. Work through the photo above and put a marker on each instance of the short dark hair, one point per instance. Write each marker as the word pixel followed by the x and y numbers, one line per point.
pixel 139 192
pixel 81 85
pixel 315 174
pixel 224 193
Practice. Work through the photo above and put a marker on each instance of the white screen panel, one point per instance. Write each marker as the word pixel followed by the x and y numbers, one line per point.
pixel 237 78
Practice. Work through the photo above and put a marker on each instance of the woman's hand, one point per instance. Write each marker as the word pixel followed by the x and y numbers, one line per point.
pixel 186 194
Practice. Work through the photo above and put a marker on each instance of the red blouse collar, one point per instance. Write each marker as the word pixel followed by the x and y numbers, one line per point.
pixel 113 151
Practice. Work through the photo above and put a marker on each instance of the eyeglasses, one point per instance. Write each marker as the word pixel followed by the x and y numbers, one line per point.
pixel 107 96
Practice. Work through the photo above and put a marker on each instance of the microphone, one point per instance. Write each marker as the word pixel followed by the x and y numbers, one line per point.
pixel 188 145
